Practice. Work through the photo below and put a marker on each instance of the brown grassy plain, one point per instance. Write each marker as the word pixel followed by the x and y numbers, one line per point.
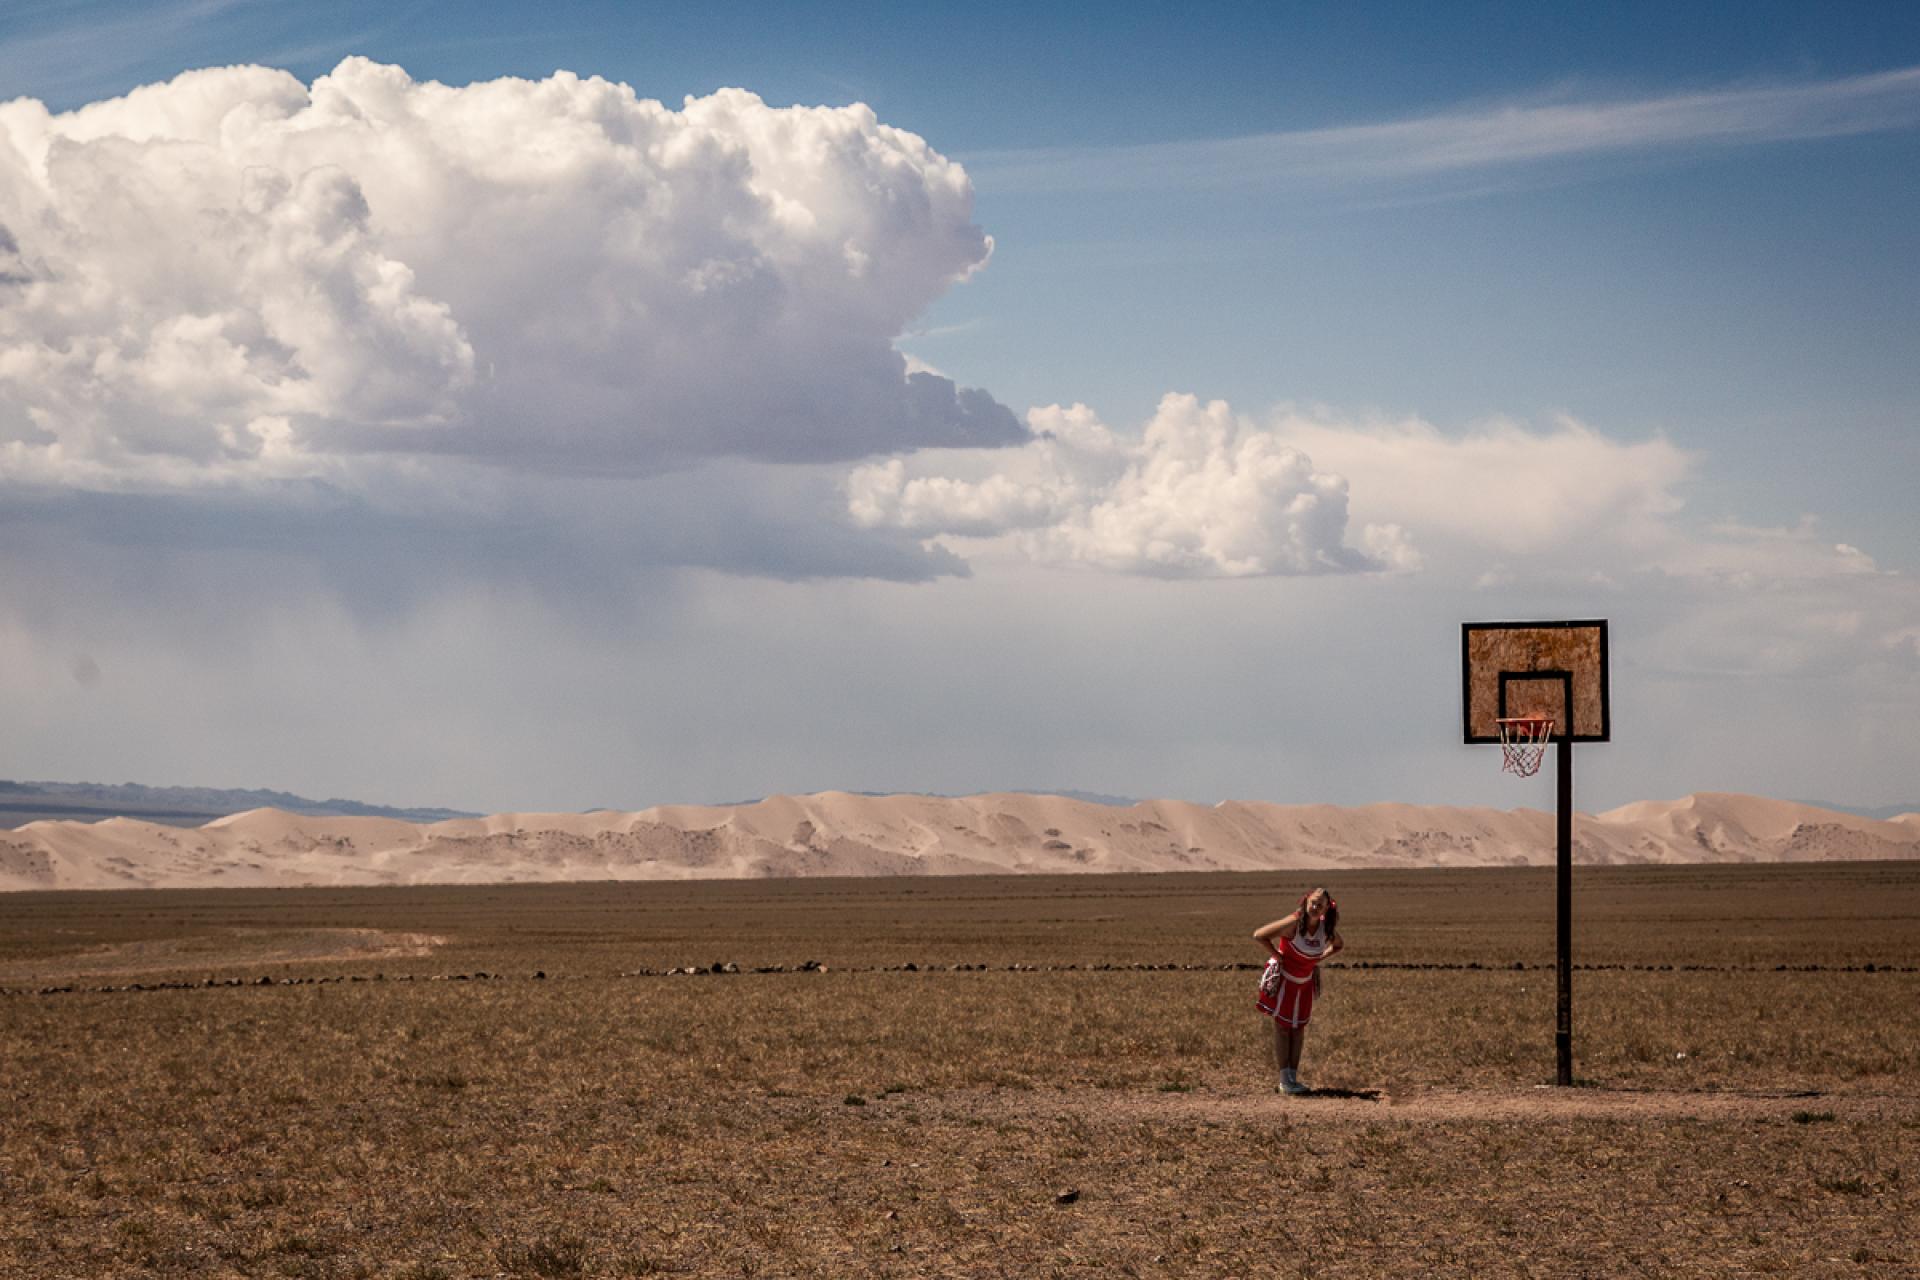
pixel 1736 1118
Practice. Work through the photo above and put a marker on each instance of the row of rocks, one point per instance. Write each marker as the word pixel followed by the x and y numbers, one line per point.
pixel 724 967
pixel 264 980
pixel 728 967
pixel 814 966
pixel 1521 966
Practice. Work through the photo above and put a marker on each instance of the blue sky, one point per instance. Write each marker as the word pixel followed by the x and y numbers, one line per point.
pixel 1598 313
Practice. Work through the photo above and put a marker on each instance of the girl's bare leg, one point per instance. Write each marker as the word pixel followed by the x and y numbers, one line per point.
pixel 1280 1044
pixel 1296 1039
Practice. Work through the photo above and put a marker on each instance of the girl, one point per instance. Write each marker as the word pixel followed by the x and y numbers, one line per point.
pixel 1292 977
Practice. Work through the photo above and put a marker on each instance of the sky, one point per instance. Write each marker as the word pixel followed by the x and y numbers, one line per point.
pixel 610 405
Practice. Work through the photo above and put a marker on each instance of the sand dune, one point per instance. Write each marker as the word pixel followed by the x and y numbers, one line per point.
pixel 835 833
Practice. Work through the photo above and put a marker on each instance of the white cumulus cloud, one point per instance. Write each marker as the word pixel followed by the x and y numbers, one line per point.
pixel 235 273
pixel 1202 493
pixel 1501 487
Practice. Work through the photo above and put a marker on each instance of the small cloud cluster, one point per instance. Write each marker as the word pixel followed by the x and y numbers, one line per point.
pixel 1787 601
pixel 1203 493
pixel 236 275
pixel 1749 557
pixel 1527 518
pixel 1502 489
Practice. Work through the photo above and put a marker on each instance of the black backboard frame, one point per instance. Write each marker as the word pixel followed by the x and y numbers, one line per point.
pixel 1467 630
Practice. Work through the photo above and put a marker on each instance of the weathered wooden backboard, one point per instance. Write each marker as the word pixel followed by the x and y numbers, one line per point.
pixel 1556 669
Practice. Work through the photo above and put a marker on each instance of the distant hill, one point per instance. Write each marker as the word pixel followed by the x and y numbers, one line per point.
pixel 1881 813
pixel 838 834
pixel 1088 797
pixel 24 802
pixel 1084 797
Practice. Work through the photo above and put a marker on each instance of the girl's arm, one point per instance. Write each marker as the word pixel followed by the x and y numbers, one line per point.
pixel 1335 943
pixel 1282 928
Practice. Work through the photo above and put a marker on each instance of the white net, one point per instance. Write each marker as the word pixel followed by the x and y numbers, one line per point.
pixel 1523 744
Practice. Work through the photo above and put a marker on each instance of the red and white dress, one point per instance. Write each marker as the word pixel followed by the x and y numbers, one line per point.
pixel 1286 987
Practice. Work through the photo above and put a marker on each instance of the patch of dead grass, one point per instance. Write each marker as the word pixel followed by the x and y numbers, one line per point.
pixel 598 1125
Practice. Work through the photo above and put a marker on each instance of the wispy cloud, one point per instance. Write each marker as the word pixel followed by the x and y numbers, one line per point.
pixel 944 330
pixel 1459 142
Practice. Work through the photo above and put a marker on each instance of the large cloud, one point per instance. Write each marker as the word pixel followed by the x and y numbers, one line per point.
pixel 235 274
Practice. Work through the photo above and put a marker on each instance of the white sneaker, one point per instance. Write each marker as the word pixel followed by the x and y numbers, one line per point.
pixel 1290 1083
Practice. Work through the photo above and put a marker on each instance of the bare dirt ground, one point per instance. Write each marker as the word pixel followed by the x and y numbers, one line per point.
pixel 1534 1104
pixel 536 1097
pixel 221 949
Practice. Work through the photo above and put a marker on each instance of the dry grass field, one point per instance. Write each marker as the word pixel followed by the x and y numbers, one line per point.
pixel 403 1096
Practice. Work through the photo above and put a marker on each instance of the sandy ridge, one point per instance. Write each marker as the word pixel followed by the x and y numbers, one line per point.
pixel 836 833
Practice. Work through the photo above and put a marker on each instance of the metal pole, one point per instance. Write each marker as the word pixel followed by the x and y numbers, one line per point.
pixel 1563 892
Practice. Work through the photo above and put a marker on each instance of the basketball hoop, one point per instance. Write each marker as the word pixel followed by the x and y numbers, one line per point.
pixel 1525 685
pixel 1523 743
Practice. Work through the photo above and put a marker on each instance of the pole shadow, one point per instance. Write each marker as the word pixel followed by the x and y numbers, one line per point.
pixel 1363 1095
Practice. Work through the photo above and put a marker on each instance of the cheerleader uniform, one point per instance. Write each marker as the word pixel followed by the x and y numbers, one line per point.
pixel 1287 985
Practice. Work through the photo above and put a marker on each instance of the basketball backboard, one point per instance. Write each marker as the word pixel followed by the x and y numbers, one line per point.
pixel 1555 669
